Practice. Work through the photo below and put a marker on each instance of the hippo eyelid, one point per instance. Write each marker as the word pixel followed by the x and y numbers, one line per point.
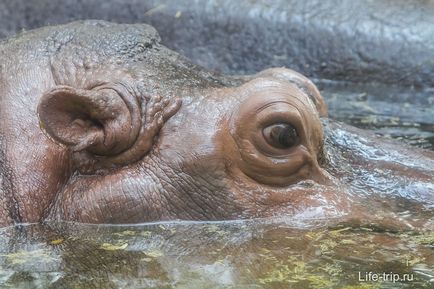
pixel 268 104
pixel 291 115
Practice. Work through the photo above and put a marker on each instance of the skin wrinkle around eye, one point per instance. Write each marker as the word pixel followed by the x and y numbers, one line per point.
pixel 270 104
pixel 300 101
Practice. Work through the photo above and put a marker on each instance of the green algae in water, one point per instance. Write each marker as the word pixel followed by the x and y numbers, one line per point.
pixel 249 254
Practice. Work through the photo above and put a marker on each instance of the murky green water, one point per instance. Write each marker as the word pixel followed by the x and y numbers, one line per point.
pixel 248 254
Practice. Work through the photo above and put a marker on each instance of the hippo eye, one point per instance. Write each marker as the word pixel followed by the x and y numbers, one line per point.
pixel 281 135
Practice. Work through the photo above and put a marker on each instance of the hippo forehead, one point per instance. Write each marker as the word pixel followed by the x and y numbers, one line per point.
pixel 95 41
pixel 75 51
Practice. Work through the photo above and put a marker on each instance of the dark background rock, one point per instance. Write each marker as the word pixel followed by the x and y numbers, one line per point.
pixel 389 41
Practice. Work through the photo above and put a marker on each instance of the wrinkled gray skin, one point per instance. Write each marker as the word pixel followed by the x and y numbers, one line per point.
pixel 102 124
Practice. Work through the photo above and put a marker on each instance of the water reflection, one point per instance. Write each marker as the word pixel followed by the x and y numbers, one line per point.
pixel 404 113
pixel 249 254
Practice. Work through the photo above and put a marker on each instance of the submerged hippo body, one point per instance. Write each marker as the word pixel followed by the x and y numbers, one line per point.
pixel 102 124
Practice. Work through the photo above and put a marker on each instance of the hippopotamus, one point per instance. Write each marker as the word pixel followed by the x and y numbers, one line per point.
pixel 101 123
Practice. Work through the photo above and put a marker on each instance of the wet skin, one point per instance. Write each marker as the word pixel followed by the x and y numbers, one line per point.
pixel 102 124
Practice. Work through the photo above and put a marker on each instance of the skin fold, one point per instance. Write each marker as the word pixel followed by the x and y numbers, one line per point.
pixel 100 123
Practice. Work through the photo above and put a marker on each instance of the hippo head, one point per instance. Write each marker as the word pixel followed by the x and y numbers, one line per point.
pixel 103 124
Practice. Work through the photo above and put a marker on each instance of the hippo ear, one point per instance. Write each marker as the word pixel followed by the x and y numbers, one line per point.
pixel 99 121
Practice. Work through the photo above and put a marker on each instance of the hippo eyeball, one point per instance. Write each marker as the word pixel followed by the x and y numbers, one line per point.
pixel 281 135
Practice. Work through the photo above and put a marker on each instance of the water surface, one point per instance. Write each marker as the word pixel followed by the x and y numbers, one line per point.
pixel 240 254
